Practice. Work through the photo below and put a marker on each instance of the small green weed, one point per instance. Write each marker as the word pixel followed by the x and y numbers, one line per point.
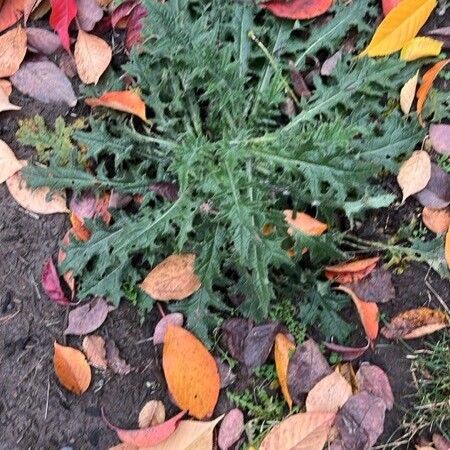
pixel 444 162
pixel 287 313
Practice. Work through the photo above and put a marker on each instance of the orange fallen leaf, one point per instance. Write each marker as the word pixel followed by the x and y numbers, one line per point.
pixel 191 372
pixel 436 220
pixel 283 350
pixel 71 368
pixel 304 223
pixel 81 232
pixel 13 46
pixel 9 164
pixel 352 271
pixel 152 413
pixel 414 173
pixel 126 101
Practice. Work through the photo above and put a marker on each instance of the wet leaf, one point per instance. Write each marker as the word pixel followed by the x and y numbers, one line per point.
pixel 9 164
pixel 34 77
pixel 351 272
pixel 258 344
pixel 304 223
pixel 63 12
pixel 436 220
pixel 297 9
pixel 95 351
pixel 372 379
pixel 440 138
pixel 377 287
pixel 13 46
pixel 347 353
pixel 115 362
pixel 231 429
pixel 10 13
pixel 172 279
pixel 420 47
pixel 52 285
pixel 415 323
pixel 307 366
pixel 71 368
pixel 234 332
pixel 42 41
pixel 283 350
pixel 388 5
pixel 134 26
pixel 307 431
pixel 399 26
pixel 329 394
pixel 167 190
pixel 152 413
pixel 87 318
pixel 92 57
pixel 150 436
pixel 408 93
pixel 414 173
pixel 191 372
pixel 161 326
pixel 436 193
pixel 89 13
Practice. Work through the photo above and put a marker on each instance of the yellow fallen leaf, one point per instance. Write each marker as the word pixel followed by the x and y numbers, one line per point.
pixel 400 26
pixel 420 47
pixel 407 93
pixel 283 348
pixel 414 173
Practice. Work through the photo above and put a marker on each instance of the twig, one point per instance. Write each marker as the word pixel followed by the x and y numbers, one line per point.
pixel 48 397
pixel 439 298
pixel 161 311
pixel 66 321
pixel 142 341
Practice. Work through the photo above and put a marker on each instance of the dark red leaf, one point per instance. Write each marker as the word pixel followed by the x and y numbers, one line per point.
pixel 377 287
pixel 297 9
pixel 372 379
pixel 166 189
pixel 436 193
pixel 52 284
pixel 234 332
pixel 259 343
pixel 347 353
pixel 63 12
pixel 134 27
pixel 122 11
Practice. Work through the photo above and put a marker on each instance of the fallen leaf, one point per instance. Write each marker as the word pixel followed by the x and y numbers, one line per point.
pixel 84 205
pixel 52 285
pixel 304 223
pixel 126 101
pixel 231 429
pixel 302 431
pixel 227 377
pixel 297 9
pixel 408 93
pixel 122 11
pixel 9 164
pixel 427 82
pixel 447 248
pixel 134 26
pixel 258 344
pixel 234 332
pixel 347 353
pixel 42 41
pixel 67 65
pixel 92 57
pixel 298 82
pixel 440 138
pixel 28 7
pixel 436 193
pixel 71 368
pixel 368 313
pixel 372 379
pixel 115 362
pixel 10 13
pixel 330 63
pixel 88 14
pixel 307 366
pixel 63 12
pixel 95 351
pixel 351 272
pixel 34 77
pixel 150 436
pixel 329 394
pixel 172 279
pixel 118 200
pixel 152 413
pixel 6 87
pixel 13 46
pixel 388 5
pixel 414 173
pixel 436 220
pixel 440 442
pixel 87 318
pixel 442 34
pixel 41 9
pixel 161 326
pixel 415 323
pixel 346 370
pixel 167 190
pixel 191 372
pixel 80 231
pixel 400 26
pixel 420 47
pixel 283 350
pixel 377 287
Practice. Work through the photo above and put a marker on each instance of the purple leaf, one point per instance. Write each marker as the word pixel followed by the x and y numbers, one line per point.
pixel 87 318
pixel 122 11
pixel 329 64
pixel 234 332
pixel 118 200
pixel 42 41
pixel 84 206
pixel 231 429
pixel 134 27
pixel 372 379
pixel 258 344
pixel 52 284
pixel 227 376
pixel 166 189
pixel 115 362
pixel 377 287
pixel 34 78
pixel 436 193
pixel 89 13
pixel 440 138
pixel 347 353
pixel 298 82
pixel 439 441
pixel 161 326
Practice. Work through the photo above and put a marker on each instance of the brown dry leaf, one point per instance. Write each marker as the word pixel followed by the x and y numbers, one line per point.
pixel 329 394
pixel 35 201
pixel 71 368
pixel 28 7
pixel 92 57
pixel 283 350
pixel 414 173
pixel 9 164
pixel 172 279
pixel 415 323
pixel 351 272
pixel 408 93
pixel 191 372
pixel 152 413
pixel 303 431
pixel 13 46
pixel 6 87
pixel 95 351
pixel 377 287
pixel 436 220
pixel 303 222
pixel 346 370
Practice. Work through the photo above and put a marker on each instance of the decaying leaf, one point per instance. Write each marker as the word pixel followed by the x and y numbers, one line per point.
pixel 377 287
pixel 52 285
pixel 231 429
pixel 63 12
pixel 408 93
pixel 161 326
pixel 87 318
pixel 297 9
pixel 420 47
pixel 440 137
pixel 415 323
pixel 42 41
pixel 9 164
pixel 307 431
pixel 71 368
pixel 115 362
pixel 351 272
pixel 152 413
pixel 258 344
pixel 13 46
pixel 436 193
pixel 95 351
pixel 283 350
pixel 234 332
pixel 89 13
pixel 372 379
pixel 436 220
pixel 304 223
pixel 347 353
pixel 172 279
pixel 414 173
pixel 191 372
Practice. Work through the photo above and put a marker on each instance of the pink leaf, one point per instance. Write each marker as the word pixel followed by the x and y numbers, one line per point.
pixel 63 12
pixel 87 318
pixel 347 353
pixel 231 429
pixel 84 206
pixel 161 326
pixel 42 41
pixel 147 437
pixel 134 27
pixel 372 379
pixel 89 13
pixel 440 138
pixel 52 285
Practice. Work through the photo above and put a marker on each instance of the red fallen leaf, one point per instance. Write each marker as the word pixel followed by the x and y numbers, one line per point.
pixel 352 271
pixel 10 13
pixel 101 208
pixel 347 353
pixel 52 285
pixel 372 379
pixel 146 437
pixel 134 26
pixel 63 12
pixel 297 9
pixel 388 5
pixel 122 11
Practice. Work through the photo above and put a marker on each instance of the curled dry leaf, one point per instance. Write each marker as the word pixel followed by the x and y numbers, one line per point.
pixel 304 430
pixel 71 368
pixel 52 285
pixel 415 323
pixel 234 332
pixel 297 9
pixel 351 272
pixel 440 137
pixel 92 57
pixel 42 41
pixel 420 47
pixel 89 13
pixel 115 362
pixel 152 413
pixel 9 164
pixel 258 344
pixel 191 372
pixel 161 326
pixel 304 223
pixel 172 279
pixel 28 7
pixel 95 351
pixel 346 370
pixel 63 12
pixel 377 287
pixel 436 193
pixel 408 93
pixel 125 101
pixel 347 353
pixel 13 46
pixel 414 173
pixel 436 220
pixel 372 379
pixel 329 394
pixel 87 318
pixel 231 429
pixel 283 350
